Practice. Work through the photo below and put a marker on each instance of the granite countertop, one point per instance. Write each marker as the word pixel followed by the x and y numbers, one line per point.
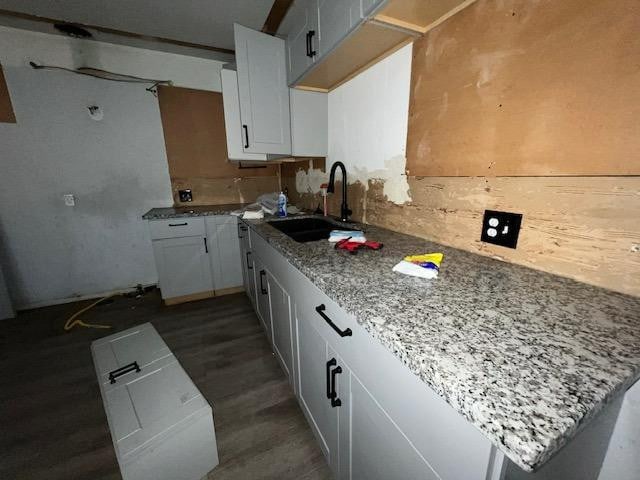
pixel 192 211
pixel 525 356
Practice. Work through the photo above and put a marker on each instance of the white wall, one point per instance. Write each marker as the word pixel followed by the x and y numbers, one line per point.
pixel 368 119
pixel 18 47
pixel 117 167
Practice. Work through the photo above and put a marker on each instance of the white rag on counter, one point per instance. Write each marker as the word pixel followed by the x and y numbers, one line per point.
pixel 414 270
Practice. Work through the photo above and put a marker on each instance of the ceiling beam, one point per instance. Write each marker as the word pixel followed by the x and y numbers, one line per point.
pixel 276 15
pixel 113 31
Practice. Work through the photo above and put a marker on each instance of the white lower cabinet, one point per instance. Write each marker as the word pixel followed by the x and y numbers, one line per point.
pixel 371 445
pixel 183 266
pixel 372 417
pixel 315 363
pixel 160 424
pixel 280 313
pixel 197 257
pixel 224 251
pixel 262 296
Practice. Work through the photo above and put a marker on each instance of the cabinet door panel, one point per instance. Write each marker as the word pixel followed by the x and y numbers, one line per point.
pixel 232 123
pixel 183 266
pixel 262 296
pixel 335 20
pixel 263 90
pixel 313 355
pixel 281 324
pixel 372 446
pixel 224 251
pixel 304 19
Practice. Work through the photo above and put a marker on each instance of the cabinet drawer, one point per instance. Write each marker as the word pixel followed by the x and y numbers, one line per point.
pixel 176 227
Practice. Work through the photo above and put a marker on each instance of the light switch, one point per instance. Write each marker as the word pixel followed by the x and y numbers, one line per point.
pixel 69 200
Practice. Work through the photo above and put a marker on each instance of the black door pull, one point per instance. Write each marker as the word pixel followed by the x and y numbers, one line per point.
pixel 118 372
pixel 206 248
pixel 250 267
pixel 335 401
pixel 246 136
pixel 343 333
pixel 310 51
pixel 178 224
pixel 330 363
pixel 262 288
pixel 308 46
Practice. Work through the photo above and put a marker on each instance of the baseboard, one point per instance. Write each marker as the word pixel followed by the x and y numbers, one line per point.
pixel 79 298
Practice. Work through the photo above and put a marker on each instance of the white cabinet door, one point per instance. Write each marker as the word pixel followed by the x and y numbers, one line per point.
pixel 314 368
pixel 309 123
pixel 262 296
pixel 263 90
pixel 224 251
pixel 232 123
pixel 281 324
pixel 183 266
pixel 372 447
pixel 336 18
pixel 6 308
pixel 302 37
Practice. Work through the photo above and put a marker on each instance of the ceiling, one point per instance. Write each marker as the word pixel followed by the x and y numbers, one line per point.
pixel 203 22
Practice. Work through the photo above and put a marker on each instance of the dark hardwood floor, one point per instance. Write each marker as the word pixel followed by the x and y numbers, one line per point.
pixel 52 423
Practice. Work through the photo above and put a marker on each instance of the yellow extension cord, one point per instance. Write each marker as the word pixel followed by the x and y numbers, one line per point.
pixel 73 321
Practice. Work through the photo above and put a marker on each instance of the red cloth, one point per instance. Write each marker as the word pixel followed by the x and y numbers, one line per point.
pixel 353 247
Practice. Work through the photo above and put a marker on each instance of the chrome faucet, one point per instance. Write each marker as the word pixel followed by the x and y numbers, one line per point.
pixel 344 209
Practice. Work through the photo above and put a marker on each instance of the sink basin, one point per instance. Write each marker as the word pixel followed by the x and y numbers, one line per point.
pixel 305 229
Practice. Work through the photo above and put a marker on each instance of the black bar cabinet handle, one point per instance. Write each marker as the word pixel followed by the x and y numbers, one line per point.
pixel 335 401
pixel 249 266
pixel 246 136
pixel 311 52
pixel 206 248
pixel 262 275
pixel 178 224
pixel 343 333
pixel 118 372
pixel 330 363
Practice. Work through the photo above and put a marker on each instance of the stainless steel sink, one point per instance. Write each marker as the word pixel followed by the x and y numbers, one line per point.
pixel 307 229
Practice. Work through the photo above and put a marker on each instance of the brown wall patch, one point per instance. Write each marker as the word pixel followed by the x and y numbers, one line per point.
pixel 195 139
pixel 521 88
pixel 7 114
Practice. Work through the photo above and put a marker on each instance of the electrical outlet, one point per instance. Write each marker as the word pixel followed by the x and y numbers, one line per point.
pixel 501 228
pixel 185 195
pixel 69 199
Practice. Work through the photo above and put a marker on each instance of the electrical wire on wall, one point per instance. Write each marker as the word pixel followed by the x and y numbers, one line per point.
pixel 106 75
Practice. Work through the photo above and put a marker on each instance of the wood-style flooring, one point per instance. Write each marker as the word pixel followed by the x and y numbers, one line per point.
pixel 52 423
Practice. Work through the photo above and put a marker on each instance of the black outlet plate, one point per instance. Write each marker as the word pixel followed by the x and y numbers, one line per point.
pixel 501 228
pixel 185 195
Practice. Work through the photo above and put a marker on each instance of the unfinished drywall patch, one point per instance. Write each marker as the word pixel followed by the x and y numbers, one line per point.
pixel 195 139
pixel 527 88
pixel 392 179
pixel 368 125
pixel 311 179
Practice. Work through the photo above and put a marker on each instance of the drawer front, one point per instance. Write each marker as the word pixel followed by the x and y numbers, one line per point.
pixel 177 227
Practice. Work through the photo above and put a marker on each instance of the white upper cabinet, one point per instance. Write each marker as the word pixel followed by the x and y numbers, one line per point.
pixel 302 37
pixel 263 92
pixel 336 18
pixel 232 122
pixel 309 123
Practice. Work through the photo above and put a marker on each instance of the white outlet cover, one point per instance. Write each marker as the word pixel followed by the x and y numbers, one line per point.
pixel 69 200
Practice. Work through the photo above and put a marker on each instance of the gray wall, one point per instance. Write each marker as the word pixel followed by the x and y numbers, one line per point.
pixel 116 167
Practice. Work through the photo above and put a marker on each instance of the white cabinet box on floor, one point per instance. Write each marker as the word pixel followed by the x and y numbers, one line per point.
pixel 161 425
